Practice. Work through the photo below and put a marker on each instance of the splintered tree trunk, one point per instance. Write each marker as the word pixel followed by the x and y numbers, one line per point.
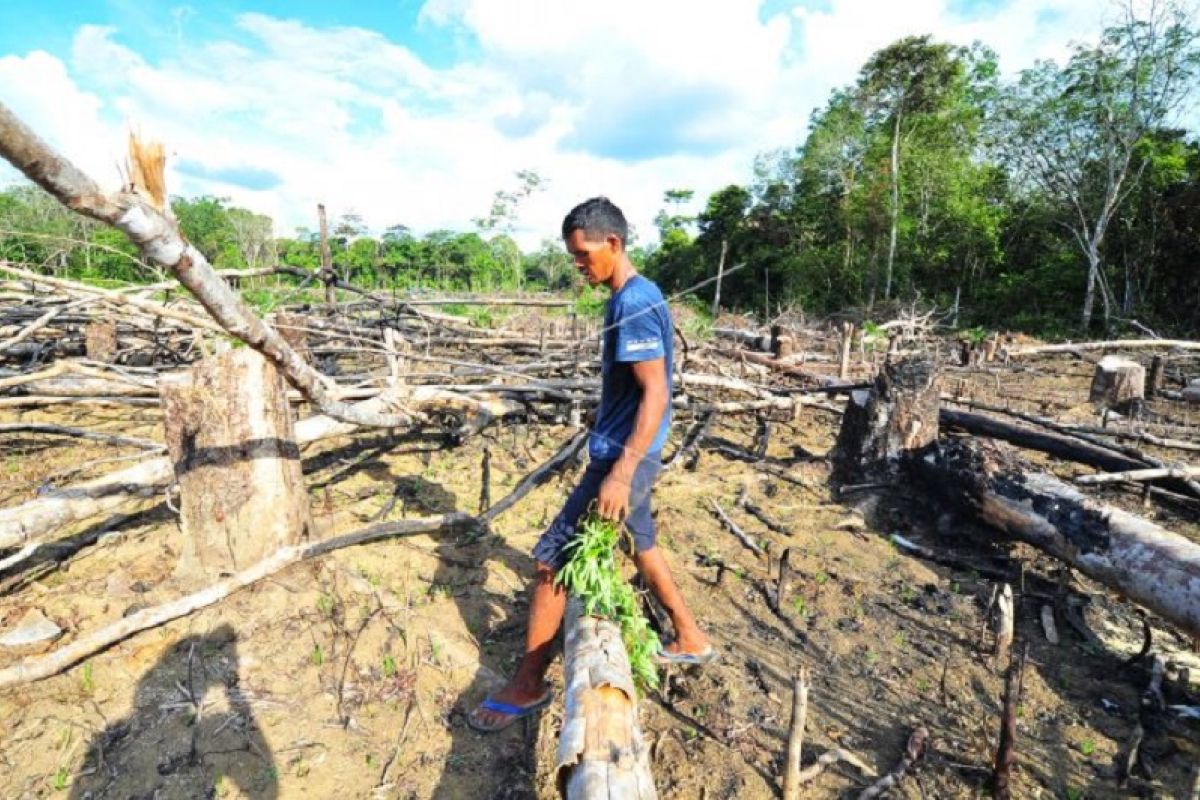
pixel 1147 563
pixel 100 341
pixel 1118 383
pixel 601 754
pixel 230 436
pixel 900 413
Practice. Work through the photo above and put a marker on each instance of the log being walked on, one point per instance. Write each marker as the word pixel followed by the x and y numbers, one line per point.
pixel 601 751
pixel 138 212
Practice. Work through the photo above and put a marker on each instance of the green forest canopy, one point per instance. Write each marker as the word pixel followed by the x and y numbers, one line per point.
pixel 1059 201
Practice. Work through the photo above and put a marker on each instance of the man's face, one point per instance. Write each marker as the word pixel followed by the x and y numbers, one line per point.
pixel 596 261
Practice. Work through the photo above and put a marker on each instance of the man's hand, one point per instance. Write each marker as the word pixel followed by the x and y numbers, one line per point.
pixel 613 500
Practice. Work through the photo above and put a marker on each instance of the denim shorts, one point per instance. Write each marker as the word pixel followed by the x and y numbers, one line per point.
pixel 550 548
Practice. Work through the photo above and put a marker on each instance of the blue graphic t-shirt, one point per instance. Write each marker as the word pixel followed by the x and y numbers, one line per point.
pixel 637 327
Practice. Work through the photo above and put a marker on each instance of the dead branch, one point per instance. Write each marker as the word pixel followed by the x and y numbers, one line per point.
pixel 736 531
pixel 45 666
pixel 1006 751
pixel 801 683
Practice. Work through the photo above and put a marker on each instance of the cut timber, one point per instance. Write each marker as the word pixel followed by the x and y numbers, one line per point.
pixel 1147 563
pixel 230 436
pixel 100 340
pixel 898 414
pixel 1119 384
pixel 600 751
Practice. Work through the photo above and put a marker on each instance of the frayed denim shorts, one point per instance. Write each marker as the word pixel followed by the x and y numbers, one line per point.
pixel 550 548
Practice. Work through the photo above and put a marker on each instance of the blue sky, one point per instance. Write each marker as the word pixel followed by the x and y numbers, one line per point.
pixel 417 111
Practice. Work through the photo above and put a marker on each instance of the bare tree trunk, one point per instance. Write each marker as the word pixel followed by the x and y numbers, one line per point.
pixel 895 210
pixel 326 258
pixel 1089 297
pixel 229 432
pixel 716 307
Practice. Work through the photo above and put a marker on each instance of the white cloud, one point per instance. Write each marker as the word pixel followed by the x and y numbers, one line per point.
pixel 626 100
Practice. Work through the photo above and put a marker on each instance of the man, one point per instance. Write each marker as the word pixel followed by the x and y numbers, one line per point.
pixel 625 449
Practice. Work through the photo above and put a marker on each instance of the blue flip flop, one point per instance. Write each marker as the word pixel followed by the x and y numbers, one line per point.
pixel 688 659
pixel 512 712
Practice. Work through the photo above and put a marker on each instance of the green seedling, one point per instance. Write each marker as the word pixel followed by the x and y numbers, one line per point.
pixel 389 666
pixel 325 605
pixel 87 680
pixel 1087 747
pixel 60 779
pixel 821 578
pixel 317 656
pixel 591 574
pixel 801 606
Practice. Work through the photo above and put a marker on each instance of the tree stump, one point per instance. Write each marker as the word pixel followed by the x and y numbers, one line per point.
pixel 229 432
pixel 898 414
pixel 782 344
pixel 100 341
pixel 1119 384
pixel 1154 381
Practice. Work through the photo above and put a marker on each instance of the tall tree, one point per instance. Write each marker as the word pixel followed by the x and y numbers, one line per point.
pixel 1072 132
pixel 899 83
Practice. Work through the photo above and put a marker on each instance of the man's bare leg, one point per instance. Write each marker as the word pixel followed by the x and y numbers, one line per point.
pixel 547 604
pixel 688 636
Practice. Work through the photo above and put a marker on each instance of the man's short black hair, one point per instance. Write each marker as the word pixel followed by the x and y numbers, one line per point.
pixel 597 218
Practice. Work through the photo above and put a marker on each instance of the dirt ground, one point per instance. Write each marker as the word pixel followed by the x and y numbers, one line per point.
pixel 350 676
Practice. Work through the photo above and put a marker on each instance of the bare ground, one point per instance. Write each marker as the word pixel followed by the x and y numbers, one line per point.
pixel 350 676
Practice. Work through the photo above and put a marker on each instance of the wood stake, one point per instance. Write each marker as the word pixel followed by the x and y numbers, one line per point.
pixel 800 686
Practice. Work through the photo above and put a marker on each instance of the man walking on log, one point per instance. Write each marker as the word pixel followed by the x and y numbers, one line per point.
pixel 625 449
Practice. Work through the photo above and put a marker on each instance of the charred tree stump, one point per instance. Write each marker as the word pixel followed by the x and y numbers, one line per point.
pixel 100 341
pixel 1119 384
pixel 1146 563
pixel 898 414
pixel 229 432
pixel 600 750
pixel 1154 381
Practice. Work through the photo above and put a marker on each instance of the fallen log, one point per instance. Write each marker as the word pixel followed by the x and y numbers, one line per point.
pixel 601 753
pixel 1139 475
pixel 1116 344
pixel 1147 563
pixel 41 516
pixel 1056 445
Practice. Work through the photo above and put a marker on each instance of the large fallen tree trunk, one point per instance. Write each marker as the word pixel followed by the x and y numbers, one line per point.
pixel 601 754
pixel 139 214
pixel 1147 563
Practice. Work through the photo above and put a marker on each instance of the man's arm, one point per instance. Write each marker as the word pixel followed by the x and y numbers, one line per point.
pixel 651 376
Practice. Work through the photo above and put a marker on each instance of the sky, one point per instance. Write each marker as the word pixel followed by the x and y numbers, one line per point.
pixel 415 112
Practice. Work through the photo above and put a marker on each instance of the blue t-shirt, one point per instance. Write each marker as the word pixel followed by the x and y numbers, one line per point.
pixel 637 327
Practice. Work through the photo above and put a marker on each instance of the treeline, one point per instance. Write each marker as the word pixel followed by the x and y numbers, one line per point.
pixel 35 229
pixel 1053 203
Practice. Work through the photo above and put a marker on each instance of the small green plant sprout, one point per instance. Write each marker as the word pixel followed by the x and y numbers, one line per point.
pixel 821 578
pixel 87 678
pixel 591 574
pixel 389 666
pixel 900 640
pixel 60 779
pixel 326 604
pixel 800 605
pixel 317 656
pixel 218 787
pixel 1087 747
pixel 923 686
pixel 1074 793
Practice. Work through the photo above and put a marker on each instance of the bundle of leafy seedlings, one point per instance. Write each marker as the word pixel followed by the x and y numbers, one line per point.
pixel 592 575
